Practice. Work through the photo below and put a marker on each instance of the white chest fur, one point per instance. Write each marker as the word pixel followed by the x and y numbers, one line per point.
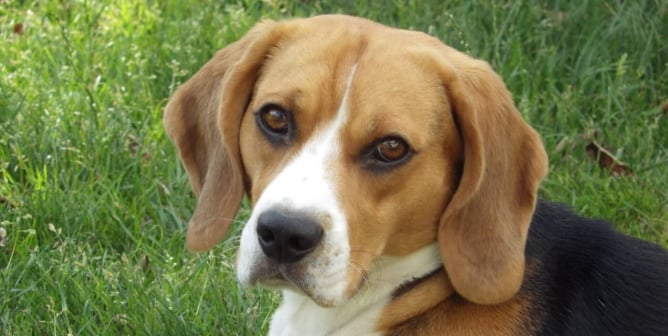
pixel 298 315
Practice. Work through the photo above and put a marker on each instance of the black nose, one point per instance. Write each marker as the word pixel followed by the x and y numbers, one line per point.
pixel 287 237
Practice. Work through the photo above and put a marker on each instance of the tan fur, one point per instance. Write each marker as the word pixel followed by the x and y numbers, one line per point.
pixel 459 317
pixel 471 184
pixel 504 162
pixel 433 308
pixel 420 299
pixel 204 125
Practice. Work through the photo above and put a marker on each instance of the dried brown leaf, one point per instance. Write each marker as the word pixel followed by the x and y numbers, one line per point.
pixel 606 160
pixel 18 29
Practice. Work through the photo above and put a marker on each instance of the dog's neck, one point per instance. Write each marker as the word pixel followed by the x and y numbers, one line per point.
pixel 377 304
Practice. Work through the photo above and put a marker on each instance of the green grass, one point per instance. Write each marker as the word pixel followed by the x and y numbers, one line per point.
pixel 94 201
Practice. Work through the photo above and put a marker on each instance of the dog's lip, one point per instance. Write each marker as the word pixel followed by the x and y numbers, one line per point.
pixel 279 275
pixel 293 279
pixel 274 276
pixel 284 276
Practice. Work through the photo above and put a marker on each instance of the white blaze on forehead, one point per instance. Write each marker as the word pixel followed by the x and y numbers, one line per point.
pixel 308 184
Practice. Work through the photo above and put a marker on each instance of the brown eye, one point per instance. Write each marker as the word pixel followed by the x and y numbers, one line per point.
pixel 386 154
pixel 275 120
pixel 391 150
pixel 276 124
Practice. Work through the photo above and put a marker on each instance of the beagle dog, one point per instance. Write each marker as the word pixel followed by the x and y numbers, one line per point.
pixel 394 192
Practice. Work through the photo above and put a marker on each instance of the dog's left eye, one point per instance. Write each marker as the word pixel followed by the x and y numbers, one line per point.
pixel 385 154
pixel 391 149
pixel 275 122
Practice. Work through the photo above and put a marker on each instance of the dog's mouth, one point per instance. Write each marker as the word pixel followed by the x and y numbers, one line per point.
pixel 324 288
pixel 273 278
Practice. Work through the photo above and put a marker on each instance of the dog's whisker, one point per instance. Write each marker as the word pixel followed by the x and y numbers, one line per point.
pixel 363 275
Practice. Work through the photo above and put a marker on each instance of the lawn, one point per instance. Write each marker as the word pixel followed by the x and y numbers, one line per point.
pixel 94 202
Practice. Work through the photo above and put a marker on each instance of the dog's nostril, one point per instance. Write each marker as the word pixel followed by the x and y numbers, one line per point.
pixel 265 235
pixel 287 238
pixel 299 243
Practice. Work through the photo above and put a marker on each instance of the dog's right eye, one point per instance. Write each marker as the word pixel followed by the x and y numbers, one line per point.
pixel 275 122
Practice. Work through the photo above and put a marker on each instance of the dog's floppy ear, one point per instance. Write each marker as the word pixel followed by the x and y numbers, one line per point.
pixel 483 229
pixel 203 118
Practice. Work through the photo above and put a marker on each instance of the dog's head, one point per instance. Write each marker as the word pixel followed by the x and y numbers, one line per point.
pixel 353 141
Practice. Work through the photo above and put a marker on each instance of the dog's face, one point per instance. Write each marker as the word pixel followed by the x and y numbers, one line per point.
pixel 355 141
pixel 341 145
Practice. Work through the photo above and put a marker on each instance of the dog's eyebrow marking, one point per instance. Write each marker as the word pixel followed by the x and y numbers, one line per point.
pixel 343 108
pixel 342 112
pixel 330 133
